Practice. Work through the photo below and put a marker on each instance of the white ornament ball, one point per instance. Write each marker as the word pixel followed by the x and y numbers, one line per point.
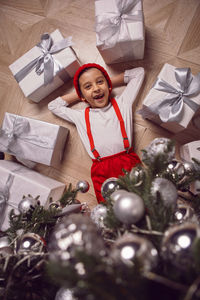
pixel 129 208
pixel 118 194
pixel 27 203
pixel 166 190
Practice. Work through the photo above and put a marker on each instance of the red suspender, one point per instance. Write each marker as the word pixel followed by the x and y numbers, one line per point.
pixel 122 126
pixel 89 133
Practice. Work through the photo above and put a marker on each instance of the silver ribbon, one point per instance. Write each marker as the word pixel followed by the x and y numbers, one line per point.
pixel 44 63
pixel 112 26
pixel 20 130
pixel 170 108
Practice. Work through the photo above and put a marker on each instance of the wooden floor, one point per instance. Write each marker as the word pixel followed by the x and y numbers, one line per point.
pixel 172 35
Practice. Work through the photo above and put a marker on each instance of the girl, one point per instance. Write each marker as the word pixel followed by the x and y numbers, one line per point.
pixel 105 126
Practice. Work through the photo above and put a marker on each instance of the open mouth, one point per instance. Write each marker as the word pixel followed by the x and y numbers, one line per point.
pixel 98 97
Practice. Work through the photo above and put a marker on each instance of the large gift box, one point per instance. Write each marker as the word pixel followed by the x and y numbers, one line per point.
pixel 173 99
pixel 187 152
pixel 33 140
pixel 46 66
pixel 17 181
pixel 119 26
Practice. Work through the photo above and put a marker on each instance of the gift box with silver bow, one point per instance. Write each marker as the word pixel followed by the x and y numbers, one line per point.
pixel 187 152
pixel 173 99
pixel 119 29
pixel 17 181
pixel 46 66
pixel 33 140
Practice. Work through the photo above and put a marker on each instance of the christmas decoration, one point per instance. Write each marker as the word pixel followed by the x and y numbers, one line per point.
pixel 98 213
pixel 64 294
pixel 163 189
pixel 136 175
pixel 129 208
pixel 27 203
pixel 131 246
pixel 30 242
pixel 178 243
pixel 4 241
pixel 184 212
pixel 176 168
pixel 118 194
pixel 109 186
pixel 82 186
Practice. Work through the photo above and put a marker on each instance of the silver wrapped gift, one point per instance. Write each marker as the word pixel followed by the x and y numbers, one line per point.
pixel 46 66
pixel 17 181
pixel 33 140
pixel 119 26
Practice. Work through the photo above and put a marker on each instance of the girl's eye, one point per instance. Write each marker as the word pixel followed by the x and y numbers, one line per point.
pixel 100 81
pixel 87 87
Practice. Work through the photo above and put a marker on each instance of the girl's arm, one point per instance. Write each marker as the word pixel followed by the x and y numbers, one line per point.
pixel 118 80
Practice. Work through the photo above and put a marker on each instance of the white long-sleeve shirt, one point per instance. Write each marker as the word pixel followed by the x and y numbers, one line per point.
pixel 105 126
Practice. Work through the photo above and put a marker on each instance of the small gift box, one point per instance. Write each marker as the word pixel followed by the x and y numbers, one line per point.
pixel 187 152
pixel 17 181
pixel 119 30
pixel 173 99
pixel 46 66
pixel 33 140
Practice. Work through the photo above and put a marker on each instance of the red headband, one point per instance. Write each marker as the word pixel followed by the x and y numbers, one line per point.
pixel 86 66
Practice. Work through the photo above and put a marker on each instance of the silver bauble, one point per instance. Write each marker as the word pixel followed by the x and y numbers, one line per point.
pixel 27 203
pixel 64 294
pixel 82 186
pixel 177 245
pixel 129 208
pixel 184 212
pixel 157 147
pixel 109 186
pixel 188 167
pixel 131 246
pixel 5 248
pixel 176 168
pixel 30 242
pixel 4 241
pixel 98 214
pixel 74 232
pixel 166 190
pixel 136 176
pixel 118 194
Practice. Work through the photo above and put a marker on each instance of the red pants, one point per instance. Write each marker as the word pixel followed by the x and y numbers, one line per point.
pixel 111 166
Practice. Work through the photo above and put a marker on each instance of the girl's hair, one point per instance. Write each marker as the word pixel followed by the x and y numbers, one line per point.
pixel 84 68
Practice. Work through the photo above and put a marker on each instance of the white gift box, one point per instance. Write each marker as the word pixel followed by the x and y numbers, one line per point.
pixel 120 34
pixel 187 152
pixel 161 106
pixel 32 139
pixel 24 182
pixel 65 64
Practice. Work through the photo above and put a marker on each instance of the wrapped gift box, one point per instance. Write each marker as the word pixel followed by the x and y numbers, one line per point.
pixel 119 30
pixel 33 140
pixel 169 102
pixel 25 181
pixel 187 152
pixel 64 63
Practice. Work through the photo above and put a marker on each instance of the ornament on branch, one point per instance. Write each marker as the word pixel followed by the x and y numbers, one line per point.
pixel 130 247
pixel 28 202
pixel 5 248
pixel 184 212
pixel 158 146
pixel 82 186
pixel 136 175
pixel 188 167
pixel 166 190
pixel 64 294
pixel 109 186
pixel 128 208
pixel 177 245
pixel 98 214
pixel 176 169
pixel 30 242
pixel 74 233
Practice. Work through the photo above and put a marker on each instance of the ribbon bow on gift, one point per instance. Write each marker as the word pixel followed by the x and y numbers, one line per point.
pixel 45 62
pixel 170 108
pixel 20 126
pixel 112 25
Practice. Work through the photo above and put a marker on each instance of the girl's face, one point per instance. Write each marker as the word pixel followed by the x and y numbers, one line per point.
pixel 94 88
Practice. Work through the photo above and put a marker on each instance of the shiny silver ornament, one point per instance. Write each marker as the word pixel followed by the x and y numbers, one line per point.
pixel 30 242
pixel 4 241
pixel 64 294
pixel 176 168
pixel 131 246
pixel 5 248
pixel 177 245
pixel 109 186
pixel 98 214
pixel 82 186
pixel 136 176
pixel 188 167
pixel 184 212
pixel 74 233
pixel 166 190
pixel 118 194
pixel 27 203
pixel 159 146
pixel 129 208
